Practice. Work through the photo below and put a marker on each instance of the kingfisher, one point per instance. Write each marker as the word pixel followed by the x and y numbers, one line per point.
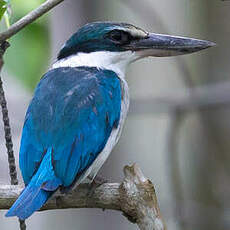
pixel 77 113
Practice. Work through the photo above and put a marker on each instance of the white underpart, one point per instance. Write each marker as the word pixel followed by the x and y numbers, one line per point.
pixel 117 62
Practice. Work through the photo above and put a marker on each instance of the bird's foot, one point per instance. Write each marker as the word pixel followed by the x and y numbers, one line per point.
pixel 96 182
pixel 65 190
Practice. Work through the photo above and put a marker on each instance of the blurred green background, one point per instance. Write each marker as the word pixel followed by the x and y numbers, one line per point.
pixel 30 49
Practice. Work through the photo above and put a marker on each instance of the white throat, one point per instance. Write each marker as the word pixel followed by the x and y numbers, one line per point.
pixel 115 61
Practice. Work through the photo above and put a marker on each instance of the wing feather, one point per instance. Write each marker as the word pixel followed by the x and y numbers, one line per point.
pixel 73 111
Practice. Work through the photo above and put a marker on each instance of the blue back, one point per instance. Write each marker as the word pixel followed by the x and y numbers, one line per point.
pixel 73 112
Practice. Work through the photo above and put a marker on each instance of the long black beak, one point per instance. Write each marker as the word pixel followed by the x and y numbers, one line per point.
pixel 160 45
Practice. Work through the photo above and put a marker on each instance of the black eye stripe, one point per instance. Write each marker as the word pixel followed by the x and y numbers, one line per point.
pixel 116 35
pixel 119 37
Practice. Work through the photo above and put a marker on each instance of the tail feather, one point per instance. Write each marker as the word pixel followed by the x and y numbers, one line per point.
pixel 31 199
pixel 42 185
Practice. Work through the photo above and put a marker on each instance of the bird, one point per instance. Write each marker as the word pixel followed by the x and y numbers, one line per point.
pixel 77 113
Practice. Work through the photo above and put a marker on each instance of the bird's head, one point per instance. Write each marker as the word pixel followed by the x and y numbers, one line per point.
pixel 114 45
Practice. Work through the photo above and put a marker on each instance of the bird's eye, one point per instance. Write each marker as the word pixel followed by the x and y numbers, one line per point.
pixel 119 36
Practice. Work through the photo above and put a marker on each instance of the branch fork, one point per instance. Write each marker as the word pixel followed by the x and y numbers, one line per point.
pixel 139 201
pixel 135 196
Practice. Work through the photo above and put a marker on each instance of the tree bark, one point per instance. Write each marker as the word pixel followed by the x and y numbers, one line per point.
pixel 135 197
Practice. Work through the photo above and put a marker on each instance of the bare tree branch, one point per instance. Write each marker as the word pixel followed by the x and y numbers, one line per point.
pixel 135 197
pixel 29 18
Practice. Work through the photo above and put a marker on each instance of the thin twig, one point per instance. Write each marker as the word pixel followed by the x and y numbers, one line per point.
pixel 8 138
pixel 6 123
pixel 29 18
pixel 22 224
pixel 135 197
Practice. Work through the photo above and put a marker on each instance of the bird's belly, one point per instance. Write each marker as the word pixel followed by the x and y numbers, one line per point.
pixel 92 171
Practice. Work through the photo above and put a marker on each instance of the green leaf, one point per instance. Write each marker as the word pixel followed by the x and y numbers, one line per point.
pixel 28 55
pixel 3 8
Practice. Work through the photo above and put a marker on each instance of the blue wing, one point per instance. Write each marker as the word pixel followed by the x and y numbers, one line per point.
pixel 73 112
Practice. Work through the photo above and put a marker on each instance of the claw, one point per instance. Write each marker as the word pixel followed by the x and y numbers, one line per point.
pixel 96 182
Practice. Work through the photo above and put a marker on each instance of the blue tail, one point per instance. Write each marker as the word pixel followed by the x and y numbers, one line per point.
pixel 43 184
pixel 31 199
